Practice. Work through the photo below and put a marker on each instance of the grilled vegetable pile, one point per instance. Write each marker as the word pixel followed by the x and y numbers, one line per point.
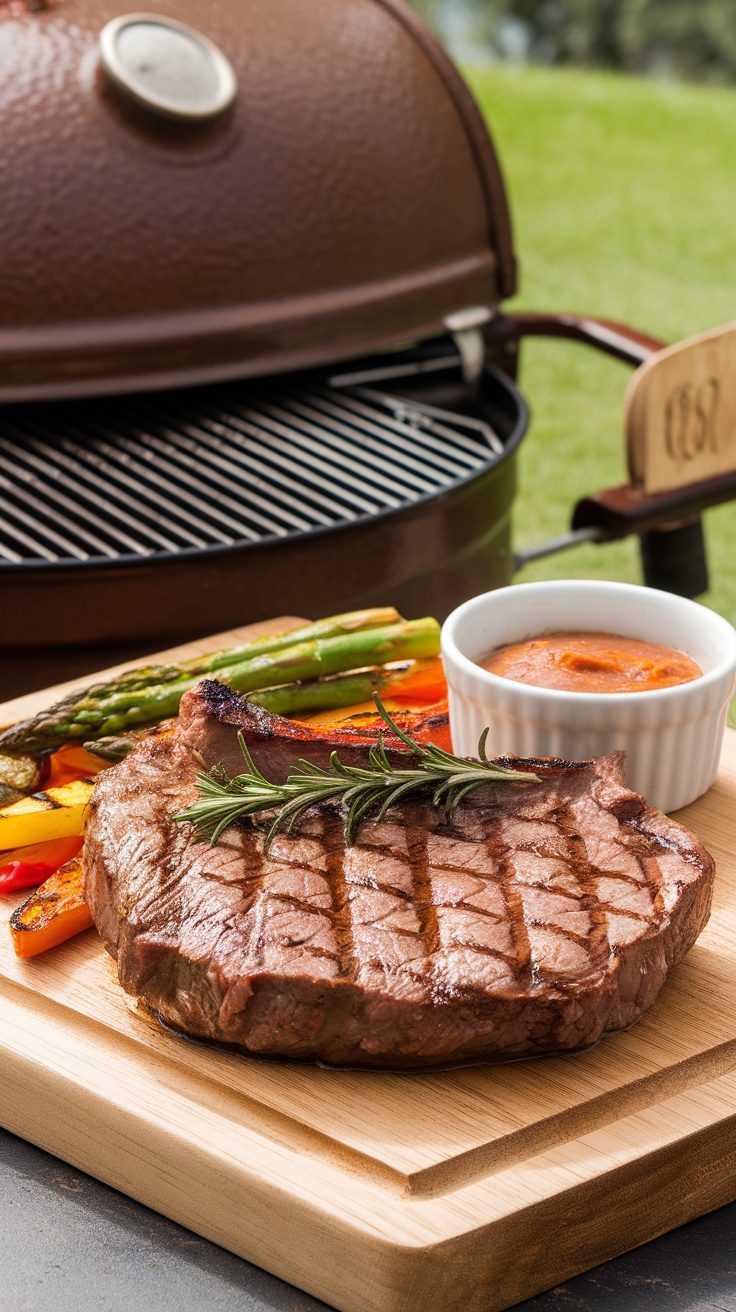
pixel 329 668
pixel 296 663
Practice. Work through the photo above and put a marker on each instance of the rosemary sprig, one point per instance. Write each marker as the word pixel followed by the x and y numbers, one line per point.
pixel 362 790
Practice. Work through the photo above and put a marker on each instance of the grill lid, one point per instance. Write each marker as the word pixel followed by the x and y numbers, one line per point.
pixel 348 199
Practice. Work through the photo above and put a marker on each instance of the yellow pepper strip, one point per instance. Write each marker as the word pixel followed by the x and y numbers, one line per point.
pixel 58 813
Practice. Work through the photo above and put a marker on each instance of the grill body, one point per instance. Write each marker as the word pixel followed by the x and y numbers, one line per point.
pixel 129 524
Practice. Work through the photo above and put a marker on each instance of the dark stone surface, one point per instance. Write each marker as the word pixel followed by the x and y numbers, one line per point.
pixel 692 1269
pixel 70 1244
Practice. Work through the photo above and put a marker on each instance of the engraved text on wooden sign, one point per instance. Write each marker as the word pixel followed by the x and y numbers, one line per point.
pixel 681 412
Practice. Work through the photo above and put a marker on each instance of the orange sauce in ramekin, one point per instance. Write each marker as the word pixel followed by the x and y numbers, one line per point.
pixel 592 662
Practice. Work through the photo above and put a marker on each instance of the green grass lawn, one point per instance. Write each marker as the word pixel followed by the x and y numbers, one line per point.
pixel 623 196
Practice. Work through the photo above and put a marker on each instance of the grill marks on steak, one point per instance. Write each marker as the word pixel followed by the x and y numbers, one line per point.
pixel 542 916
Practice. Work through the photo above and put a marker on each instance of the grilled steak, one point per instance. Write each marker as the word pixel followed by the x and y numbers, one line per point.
pixel 542 916
pixel 211 715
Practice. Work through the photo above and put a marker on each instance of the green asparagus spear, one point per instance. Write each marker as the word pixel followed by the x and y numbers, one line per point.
pixel 115 748
pixel 324 694
pixel 150 676
pixel 330 694
pixel 305 660
pixel 117 701
pixel 115 708
pixel 112 749
pixel 291 699
pixel 47 730
pixel 333 627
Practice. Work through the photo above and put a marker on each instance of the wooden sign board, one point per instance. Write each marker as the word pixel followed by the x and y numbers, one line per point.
pixel 680 416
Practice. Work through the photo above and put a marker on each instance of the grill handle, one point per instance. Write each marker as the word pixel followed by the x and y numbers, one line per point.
pixel 504 333
pixel 668 524
pixel 615 339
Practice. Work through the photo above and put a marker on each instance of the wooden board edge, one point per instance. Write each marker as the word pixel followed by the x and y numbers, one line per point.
pixel 304 1239
pixel 156 1160
pixel 604 1217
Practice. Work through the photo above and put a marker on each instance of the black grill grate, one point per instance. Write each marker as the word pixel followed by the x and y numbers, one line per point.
pixel 149 476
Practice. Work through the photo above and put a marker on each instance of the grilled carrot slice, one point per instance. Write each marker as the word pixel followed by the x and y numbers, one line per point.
pixel 54 913
pixel 426 682
pixel 71 763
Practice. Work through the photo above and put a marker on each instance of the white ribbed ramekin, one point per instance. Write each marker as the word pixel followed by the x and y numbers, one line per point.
pixel 672 736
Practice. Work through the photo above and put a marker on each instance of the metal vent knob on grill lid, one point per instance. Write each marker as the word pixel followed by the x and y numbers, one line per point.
pixel 167 66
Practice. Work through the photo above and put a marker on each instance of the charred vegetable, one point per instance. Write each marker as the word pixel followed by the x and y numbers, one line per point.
pixel 23 773
pixel 116 708
pixel 57 813
pixel 8 794
pixel 27 867
pixel 421 680
pixel 55 912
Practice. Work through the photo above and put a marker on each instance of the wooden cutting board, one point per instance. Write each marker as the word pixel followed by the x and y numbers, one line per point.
pixel 470 1189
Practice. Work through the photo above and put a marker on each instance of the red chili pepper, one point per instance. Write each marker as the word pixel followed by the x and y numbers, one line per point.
pixel 28 867
pixel 24 874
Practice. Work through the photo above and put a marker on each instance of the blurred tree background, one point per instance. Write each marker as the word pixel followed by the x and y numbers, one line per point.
pixel 689 39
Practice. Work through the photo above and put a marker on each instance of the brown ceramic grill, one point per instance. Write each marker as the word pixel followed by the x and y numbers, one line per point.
pixel 199 422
